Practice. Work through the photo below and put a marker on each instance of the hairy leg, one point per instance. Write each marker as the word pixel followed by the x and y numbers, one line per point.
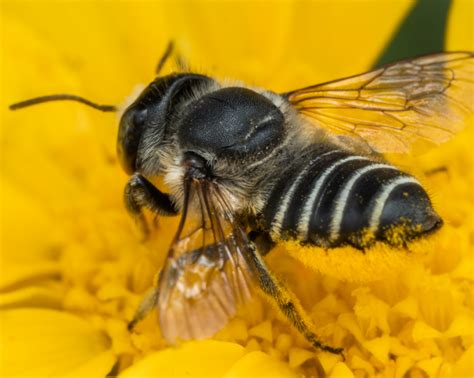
pixel 142 194
pixel 148 303
pixel 262 241
pixel 289 304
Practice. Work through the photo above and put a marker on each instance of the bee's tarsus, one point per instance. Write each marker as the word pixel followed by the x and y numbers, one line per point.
pixel 147 304
pixel 289 305
pixel 62 97
pixel 332 350
pixel 131 325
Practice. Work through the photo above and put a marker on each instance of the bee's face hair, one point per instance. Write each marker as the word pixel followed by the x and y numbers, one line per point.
pixel 145 123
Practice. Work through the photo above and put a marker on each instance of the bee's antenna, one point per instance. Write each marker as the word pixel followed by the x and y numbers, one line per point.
pixel 61 97
pixel 164 57
pixel 181 63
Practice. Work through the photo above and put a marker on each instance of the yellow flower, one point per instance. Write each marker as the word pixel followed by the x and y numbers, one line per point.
pixel 73 268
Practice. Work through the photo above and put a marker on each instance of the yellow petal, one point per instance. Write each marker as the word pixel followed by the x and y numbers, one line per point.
pixel 283 342
pixel 98 366
pixel 430 366
pixel 422 331
pixel 446 370
pixel 379 347
pixel 263 331
pixel 253 345
pixel 259 364
pixel 403 364
pixel 297 356
pixel 206 358
pixel 371 312
pixel 328 360
pixel 23 258
pixel 31 297
pixel 23 214
pixel 349 322
pixel 462 325
pixel 46 342
pixel 341 370
pixel 459 35
pixel 464 367
pixel 236 329
pixel 15 275
pixel 407 307
pixel 358 363
pixel 465 269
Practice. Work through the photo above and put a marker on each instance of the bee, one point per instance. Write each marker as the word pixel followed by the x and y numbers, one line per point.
pixel 247 167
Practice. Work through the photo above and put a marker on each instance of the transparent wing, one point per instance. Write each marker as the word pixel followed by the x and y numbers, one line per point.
pixel 206 276
pixel 402 107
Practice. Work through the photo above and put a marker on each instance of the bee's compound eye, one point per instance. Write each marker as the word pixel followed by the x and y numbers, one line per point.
pixel 131 129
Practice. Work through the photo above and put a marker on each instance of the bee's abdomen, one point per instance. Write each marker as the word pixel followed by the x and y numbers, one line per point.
pixel 334 197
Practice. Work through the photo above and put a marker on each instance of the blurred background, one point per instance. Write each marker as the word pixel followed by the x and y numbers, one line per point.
pixel 111 46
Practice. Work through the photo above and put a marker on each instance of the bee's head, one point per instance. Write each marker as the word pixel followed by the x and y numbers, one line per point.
pixel 232 123
pixel 143 125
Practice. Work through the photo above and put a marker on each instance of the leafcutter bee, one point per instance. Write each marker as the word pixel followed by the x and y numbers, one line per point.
pixel 247 167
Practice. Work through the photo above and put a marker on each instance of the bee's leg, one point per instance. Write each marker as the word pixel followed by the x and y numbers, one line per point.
pixel 262 241
pixel 289 305
pixel 148 303
pixel 181 63
pixel 141 193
